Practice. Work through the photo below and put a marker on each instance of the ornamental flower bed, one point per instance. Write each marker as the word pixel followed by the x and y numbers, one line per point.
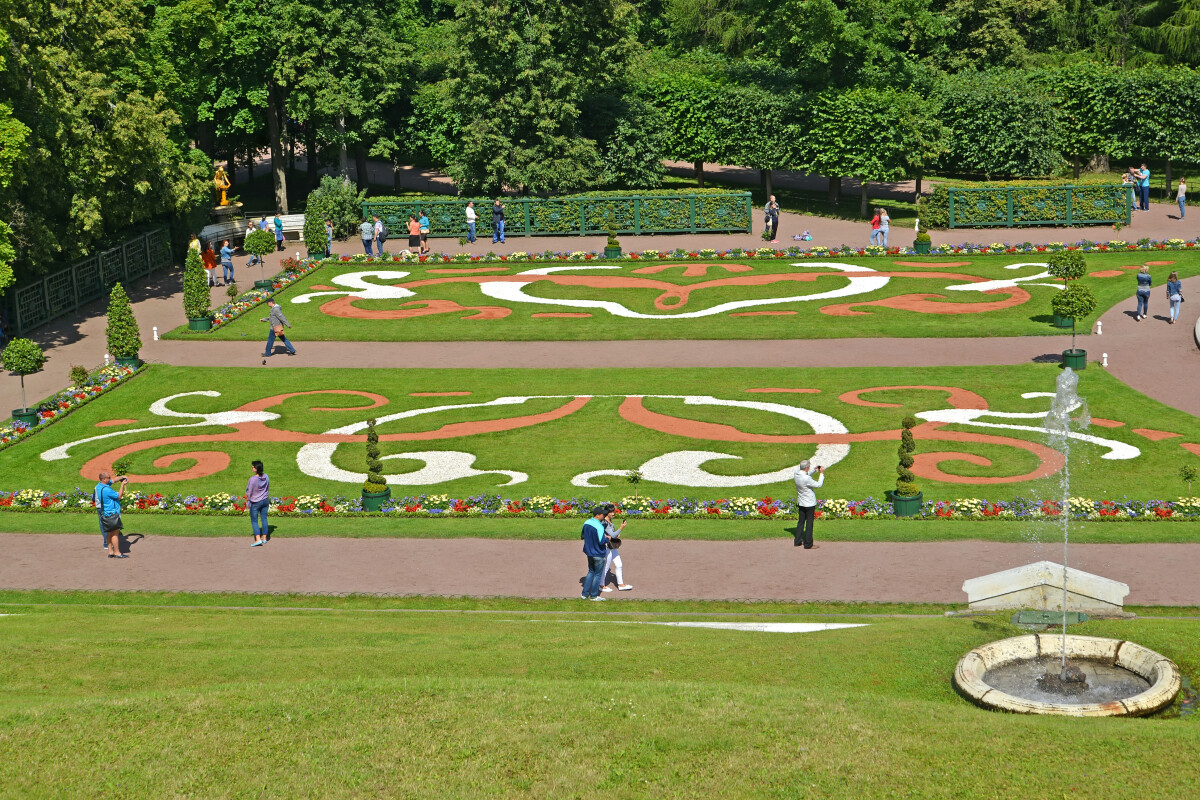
pixel 293 271
pixel 60 405
pixel 544 506
pixel 840 251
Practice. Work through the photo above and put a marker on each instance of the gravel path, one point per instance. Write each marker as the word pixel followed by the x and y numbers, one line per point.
pixel 930 572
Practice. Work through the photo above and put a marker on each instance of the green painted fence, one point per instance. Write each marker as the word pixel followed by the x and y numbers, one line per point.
pixel 715 212
pixel 90 279
pixel 1019 206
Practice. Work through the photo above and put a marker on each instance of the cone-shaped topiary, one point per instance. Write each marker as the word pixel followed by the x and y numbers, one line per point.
pixel 314 235
pixel 23 357
pixel 124 338
pixel 195 287
pixel 375 482
pixel 905 486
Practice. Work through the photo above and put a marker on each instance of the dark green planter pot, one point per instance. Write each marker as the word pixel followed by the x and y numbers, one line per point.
pixel 1075 359
pixel 612 252
pixel 905 506
pixel 132 362
pixel 373 501
pixel 200 324
pixel 1062 322
pixel 264 286
pixel 27 416
pixel 922 248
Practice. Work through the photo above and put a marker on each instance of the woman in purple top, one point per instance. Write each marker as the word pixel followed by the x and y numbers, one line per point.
pixel 258 497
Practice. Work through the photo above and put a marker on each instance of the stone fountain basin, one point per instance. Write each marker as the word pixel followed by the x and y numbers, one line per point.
pixel 1158 670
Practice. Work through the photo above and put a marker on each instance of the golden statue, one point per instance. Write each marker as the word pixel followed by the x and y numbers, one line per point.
pixel 221 183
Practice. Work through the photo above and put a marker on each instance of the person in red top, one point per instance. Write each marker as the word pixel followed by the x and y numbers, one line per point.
pixel 209 257
pixel 876 228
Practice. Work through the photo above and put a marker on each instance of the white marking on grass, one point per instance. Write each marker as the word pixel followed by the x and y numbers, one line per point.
pixel 754 627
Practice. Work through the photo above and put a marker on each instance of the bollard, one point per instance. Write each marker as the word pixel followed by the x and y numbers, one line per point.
pixel 106 359
pixel 297 255
pixel 1099 327
pixel 156 333
pixel 1104 359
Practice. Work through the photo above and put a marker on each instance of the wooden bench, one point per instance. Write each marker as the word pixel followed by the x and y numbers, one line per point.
pixel 235 229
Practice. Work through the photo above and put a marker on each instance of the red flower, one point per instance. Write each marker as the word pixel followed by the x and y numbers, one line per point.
pixel 561 508
pixel 664 509
pixel 7 501
pixel 514 508
pixel 326 508
pixel 713 510
pixel 411 507
pixel 1163 512
pixel 460 507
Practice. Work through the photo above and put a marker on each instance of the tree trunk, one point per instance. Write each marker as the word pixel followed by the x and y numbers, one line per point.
pixel 275 135
pixel 699 167
pixel 862 203
pixel 343 153
pixel 360 166
pixel 310 154
pixel 835 191
pixel 396 177
pixel 291 153
pixel 917 196
pixel 766 182
pixel 1098 163
pixel 1075 166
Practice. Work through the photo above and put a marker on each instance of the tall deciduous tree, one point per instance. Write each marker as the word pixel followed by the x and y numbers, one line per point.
pixel 527 67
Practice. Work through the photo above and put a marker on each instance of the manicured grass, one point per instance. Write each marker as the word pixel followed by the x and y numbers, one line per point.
pixel 598 437
pixel 161 702
pixel 829 530
pixel 1029 318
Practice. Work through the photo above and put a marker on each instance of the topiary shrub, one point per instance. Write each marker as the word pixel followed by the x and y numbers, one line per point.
pixel 906 486
pixel 375 482
pixel 23 357
pixel 923 238
pixel 1076 301
pixel 124 337
pixel 314 234
pixel 195 287
pixel 1067 265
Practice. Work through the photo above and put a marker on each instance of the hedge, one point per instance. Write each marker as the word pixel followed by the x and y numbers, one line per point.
pixel 1026 203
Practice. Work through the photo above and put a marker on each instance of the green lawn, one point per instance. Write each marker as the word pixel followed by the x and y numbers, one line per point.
pixel 599 435
pixel 463 296
pixel 154 701
pixel 828 530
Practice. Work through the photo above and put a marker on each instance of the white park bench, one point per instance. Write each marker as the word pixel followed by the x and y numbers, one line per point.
pixel 235 229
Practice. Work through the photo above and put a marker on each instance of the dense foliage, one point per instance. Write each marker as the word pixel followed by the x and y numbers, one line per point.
pixel 196 297
pixel 124 337
pixel 113 113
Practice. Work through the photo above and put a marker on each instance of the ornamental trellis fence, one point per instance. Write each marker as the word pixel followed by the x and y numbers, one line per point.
pixel 709 212
pixel 86 280
pixel 1018 206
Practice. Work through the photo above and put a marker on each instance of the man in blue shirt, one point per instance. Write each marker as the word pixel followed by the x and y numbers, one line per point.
pixel 595 547
pixel 108 508
pixel 227 261
pixel 423 222
pixel 1143 184
pixel 278 222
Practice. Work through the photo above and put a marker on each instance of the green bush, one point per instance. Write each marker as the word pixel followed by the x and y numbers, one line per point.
pixel 78 375
pixel 261 243
pixel 375 482
pixel 1033 203
pixel 124 337
pixel 23 357
pixel 1067 265
pixel 905 485
pixel 923 238
pixel 195 287
pixel 314 234
pixel 337 200
pixel 1076 301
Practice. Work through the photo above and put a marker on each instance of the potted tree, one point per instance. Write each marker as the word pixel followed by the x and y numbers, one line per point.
pixel 23 357
pixel 314 235
pixel 195 293
pixel 612 248
pixel 923 244
pixel 124 337
pixel 1067 266
pixel 1075 302
pixel 375 491
pixel 906 498
pixel 260 243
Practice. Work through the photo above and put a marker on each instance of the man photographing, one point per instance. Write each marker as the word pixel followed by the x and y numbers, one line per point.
pixel 806 499
pixel 108 508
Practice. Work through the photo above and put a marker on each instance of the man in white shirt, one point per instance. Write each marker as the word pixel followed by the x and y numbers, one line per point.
pixel 806 499
pixel 471 217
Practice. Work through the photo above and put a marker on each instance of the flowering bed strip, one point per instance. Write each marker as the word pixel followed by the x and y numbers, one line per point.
pixel 67 401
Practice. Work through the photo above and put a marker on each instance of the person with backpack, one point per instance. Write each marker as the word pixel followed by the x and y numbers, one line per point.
pixel 595 547
pixel 381 234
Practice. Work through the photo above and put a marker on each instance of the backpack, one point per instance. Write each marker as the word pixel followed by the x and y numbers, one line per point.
pixel 384 230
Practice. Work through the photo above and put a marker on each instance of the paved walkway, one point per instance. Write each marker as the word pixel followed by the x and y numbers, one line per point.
pixel 929 572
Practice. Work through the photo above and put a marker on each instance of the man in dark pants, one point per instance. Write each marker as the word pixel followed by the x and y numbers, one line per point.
pixel 278 322
pixel 497 222
pixel 595 547
pixel 806 499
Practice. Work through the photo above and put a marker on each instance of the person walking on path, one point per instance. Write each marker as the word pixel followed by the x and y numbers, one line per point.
pixel 595 547
pixel 885 225
pixel 613 561
pixel 1181 198
pixel 258 499
pixel 875 227
pixel 423 222
pixel 226 262
pixel 1143 293
pixel 278 223
pixel 328 238
pixel 471 218
pixel 367 231
pixel 414 233
pixel 773 219
pixel 497 222
pixel 277 322
pixel 209 257
pixel 806 500
pixel 108 507
pixel 1174 295
pixel 1143 186
pixel 381 235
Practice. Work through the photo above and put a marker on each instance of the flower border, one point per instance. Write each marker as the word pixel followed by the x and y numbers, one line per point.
pixel 442 506
pixel 54 408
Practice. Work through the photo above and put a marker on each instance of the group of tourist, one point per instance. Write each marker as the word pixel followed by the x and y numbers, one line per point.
pixel 1174 295
pixel 881 224
pixel 1139 179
